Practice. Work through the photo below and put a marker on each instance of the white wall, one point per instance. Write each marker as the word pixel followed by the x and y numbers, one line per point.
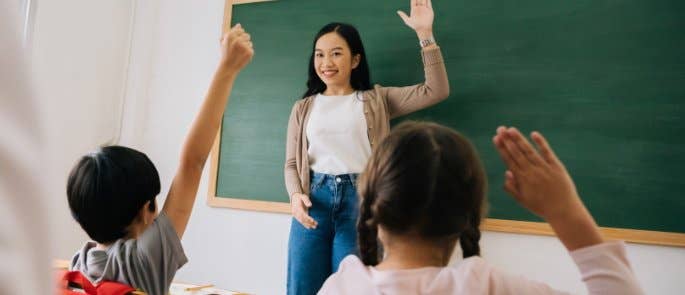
pixel 174 54
pixel 80 55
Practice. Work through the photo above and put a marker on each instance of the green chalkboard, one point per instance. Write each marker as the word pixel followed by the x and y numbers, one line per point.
pixel 603 79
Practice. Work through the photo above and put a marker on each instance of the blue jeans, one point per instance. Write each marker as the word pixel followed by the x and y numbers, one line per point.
pixel 314 254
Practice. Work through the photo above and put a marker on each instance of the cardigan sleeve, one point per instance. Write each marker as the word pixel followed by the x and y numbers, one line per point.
pixel 292 179
pixel 435 88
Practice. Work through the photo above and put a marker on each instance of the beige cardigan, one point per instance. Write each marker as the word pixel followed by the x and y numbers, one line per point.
pixel 380 105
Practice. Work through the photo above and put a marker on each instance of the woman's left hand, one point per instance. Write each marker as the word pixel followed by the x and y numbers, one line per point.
pixel 420 18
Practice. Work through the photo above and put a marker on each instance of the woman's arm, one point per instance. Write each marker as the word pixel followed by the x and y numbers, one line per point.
pixel 404 100
pixel 299 202
pixel 292 178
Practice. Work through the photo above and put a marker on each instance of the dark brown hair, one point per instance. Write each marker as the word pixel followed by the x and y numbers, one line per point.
pixel 424 179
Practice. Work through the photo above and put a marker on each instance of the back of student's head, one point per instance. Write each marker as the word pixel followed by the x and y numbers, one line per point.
pixel 107 188
pixel 423 180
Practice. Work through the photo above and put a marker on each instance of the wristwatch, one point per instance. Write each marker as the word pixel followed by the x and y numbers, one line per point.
pixel 426 42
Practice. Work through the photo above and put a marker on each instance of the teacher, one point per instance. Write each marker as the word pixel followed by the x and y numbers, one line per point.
pixel 331 133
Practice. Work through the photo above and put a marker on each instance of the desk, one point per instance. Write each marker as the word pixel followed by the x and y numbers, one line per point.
pixel 179 289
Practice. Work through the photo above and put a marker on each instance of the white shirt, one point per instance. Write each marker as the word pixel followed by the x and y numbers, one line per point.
pixel 604 269
pixel 337 135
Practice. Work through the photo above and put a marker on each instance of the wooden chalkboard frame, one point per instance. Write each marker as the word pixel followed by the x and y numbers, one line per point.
pixel 489 224
pixel 226 201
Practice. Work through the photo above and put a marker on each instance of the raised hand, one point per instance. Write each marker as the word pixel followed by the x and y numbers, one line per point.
pixel 299 205
pixel 236 52
pixel 538 180
pixel 420 17
pixel 236 49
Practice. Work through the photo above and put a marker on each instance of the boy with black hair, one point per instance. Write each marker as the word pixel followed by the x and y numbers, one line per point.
pixel 112 192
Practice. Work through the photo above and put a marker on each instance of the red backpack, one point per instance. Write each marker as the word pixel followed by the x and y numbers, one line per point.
pixel 74 283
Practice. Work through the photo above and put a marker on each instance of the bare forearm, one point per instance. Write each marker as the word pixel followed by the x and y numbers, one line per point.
pixel 198 143
pixel 237 52
pixel 203 131
pixel 577 229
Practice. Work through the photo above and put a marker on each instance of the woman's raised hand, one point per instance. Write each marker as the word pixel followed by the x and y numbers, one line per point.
pixel 420 17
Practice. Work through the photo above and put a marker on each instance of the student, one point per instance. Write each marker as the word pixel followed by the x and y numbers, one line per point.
pixel 112 193
pixel 423 191
pixel 331 134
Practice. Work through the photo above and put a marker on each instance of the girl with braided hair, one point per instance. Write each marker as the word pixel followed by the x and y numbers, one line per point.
pixel 423 191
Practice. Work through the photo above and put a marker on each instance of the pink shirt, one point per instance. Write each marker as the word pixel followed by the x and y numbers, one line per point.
pixel 604 268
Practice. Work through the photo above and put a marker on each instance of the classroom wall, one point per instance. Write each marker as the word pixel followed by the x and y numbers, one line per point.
pixel 174 54
pixel 80 58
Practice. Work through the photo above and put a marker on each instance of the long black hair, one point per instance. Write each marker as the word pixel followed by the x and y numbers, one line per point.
pixel 424 179
pixel 360 78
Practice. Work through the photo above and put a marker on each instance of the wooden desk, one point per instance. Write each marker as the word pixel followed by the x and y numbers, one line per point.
pixel 180 289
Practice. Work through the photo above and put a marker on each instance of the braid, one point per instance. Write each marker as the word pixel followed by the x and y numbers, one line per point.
pixel 367 232
pixel 470 236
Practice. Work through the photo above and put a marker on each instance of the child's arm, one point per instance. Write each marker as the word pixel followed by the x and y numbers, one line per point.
pixel 236 53
pixel 538 180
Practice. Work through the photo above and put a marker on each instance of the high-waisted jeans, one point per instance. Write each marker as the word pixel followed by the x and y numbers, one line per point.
pixel 314 254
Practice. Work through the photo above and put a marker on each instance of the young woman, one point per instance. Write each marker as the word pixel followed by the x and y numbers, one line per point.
pixel 424 190
pixel 331 133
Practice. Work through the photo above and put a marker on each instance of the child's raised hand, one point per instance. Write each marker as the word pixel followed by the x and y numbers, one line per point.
pixel 540 182
pixel 536 178
pixel 236 49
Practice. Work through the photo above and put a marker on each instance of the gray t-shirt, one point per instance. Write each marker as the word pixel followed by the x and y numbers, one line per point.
pixel 148 263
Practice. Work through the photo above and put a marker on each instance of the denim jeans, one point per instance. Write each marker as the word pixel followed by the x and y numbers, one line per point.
pixel 314 254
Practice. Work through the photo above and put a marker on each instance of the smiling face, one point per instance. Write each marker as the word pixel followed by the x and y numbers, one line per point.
pixel 334 61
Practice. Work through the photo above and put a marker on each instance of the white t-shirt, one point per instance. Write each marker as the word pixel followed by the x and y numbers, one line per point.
pixel 337 134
